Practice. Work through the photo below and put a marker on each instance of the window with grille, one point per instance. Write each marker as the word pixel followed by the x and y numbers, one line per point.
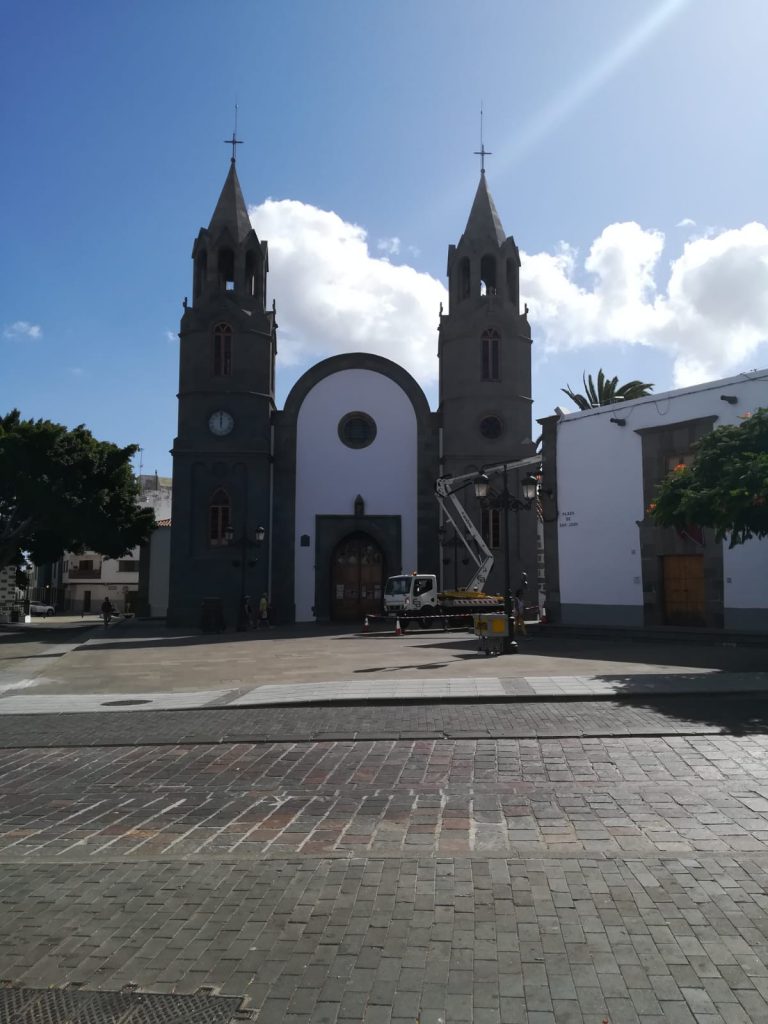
pixel 357 430
pixel 489 342
pixel 490 527
pixel 222 350
pixel 671 462
pixel 219 517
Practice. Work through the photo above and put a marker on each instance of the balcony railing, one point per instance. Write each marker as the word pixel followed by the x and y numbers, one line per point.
pixel 85 574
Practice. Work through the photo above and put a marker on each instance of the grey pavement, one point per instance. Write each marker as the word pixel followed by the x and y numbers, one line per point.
pixel 493 880
pixel 650 715
pixel 575 834
pixel 145 666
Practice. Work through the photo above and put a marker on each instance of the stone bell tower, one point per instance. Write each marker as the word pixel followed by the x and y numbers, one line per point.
pixel 485 376
pixel 222 489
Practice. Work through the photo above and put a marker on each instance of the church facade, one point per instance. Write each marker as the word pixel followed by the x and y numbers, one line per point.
pixel 316 504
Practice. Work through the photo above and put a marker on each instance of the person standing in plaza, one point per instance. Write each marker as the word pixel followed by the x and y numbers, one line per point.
pixel 520 613
pixel 246 614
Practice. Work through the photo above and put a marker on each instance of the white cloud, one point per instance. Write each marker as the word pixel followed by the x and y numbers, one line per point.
pixel 710 315
pixel 334 296
pixel 391 246
pixel 707 309
pixel 23 329
pixel 686 222
pixel 171 336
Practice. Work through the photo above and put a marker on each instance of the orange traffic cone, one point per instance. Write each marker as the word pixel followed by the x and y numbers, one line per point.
pixel 398 630
pixel 365 625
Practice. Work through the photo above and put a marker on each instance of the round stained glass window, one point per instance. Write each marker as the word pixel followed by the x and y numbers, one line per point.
pixel 357 430
pixel 491 427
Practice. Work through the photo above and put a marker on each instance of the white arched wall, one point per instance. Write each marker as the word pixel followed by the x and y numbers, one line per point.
pixel 329 475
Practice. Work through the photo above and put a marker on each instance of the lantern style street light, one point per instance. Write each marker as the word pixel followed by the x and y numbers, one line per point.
pixel 245 543
pixel 507 502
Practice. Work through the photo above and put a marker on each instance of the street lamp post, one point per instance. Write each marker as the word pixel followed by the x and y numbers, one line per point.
pixel 506 502
pixel 244 563
pixel 446 545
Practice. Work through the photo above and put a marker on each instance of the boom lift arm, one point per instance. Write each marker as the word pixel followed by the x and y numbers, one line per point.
pixel 446 488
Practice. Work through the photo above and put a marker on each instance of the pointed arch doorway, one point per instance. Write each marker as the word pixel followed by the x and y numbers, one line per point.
pixel 357 578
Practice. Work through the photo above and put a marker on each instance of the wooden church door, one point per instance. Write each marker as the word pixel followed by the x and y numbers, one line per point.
pixel 357 578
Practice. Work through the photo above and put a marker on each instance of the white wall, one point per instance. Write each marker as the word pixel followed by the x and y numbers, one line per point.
pixel 329 475
pixel 745 569
pixel 600 495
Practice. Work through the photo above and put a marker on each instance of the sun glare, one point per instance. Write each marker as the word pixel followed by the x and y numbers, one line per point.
pixel 576 93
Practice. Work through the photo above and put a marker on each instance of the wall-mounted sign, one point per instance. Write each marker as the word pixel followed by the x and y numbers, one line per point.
pixel 567 519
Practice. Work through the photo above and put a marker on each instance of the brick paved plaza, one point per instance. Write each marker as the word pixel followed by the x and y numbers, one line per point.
pixel 488 861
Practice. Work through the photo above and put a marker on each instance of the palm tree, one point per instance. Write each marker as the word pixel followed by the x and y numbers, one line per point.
pixel 607 392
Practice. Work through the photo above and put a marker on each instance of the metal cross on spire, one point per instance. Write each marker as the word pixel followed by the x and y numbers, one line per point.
pixel 234 141
pixel 482 152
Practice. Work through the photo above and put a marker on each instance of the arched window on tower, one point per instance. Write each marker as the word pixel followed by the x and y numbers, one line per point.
pixel 226 270
pixel 489 343
pixel 201 271
pixel 488 275
pixel 222 350
pixel 219 517
pixel 464 280
pixel 251 274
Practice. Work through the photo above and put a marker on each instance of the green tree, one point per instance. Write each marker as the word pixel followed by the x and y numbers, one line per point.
pixel 606 392
pixel 62 490
pixel 726 486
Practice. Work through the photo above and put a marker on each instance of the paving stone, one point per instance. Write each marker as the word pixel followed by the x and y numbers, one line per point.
pixel 503 930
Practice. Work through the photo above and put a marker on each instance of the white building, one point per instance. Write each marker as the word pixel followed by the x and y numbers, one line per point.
pixel 607 563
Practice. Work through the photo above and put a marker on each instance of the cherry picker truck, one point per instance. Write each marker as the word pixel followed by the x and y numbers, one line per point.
pixel 415 597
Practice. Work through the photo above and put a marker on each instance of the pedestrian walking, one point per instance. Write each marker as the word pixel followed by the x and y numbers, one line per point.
pixel 246 613
pixel 107 611
pixel 264 612
pixel 520 613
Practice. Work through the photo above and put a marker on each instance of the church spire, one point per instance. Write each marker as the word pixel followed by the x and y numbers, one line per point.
pixel 228 256
pixel 484 221
pixel 231 211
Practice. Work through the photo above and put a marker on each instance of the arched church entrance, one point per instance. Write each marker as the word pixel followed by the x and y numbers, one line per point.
pixel 357 578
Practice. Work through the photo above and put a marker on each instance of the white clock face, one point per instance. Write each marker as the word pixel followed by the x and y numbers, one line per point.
pixel 221 423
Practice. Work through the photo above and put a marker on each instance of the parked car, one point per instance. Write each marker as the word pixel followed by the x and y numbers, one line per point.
pixel 38 608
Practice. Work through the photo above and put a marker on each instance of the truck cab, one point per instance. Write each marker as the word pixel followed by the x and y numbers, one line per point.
pixel 407 596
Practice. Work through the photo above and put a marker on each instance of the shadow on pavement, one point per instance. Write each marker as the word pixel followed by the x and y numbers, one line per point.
pixel 41 635
pixel 735 713
pixel 724 658
pixel 403 668
pixel 134 635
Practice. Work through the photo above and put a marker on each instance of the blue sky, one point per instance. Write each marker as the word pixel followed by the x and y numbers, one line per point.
pixel 629 164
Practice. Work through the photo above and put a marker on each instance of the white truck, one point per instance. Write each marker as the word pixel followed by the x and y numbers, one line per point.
pixel 416 596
